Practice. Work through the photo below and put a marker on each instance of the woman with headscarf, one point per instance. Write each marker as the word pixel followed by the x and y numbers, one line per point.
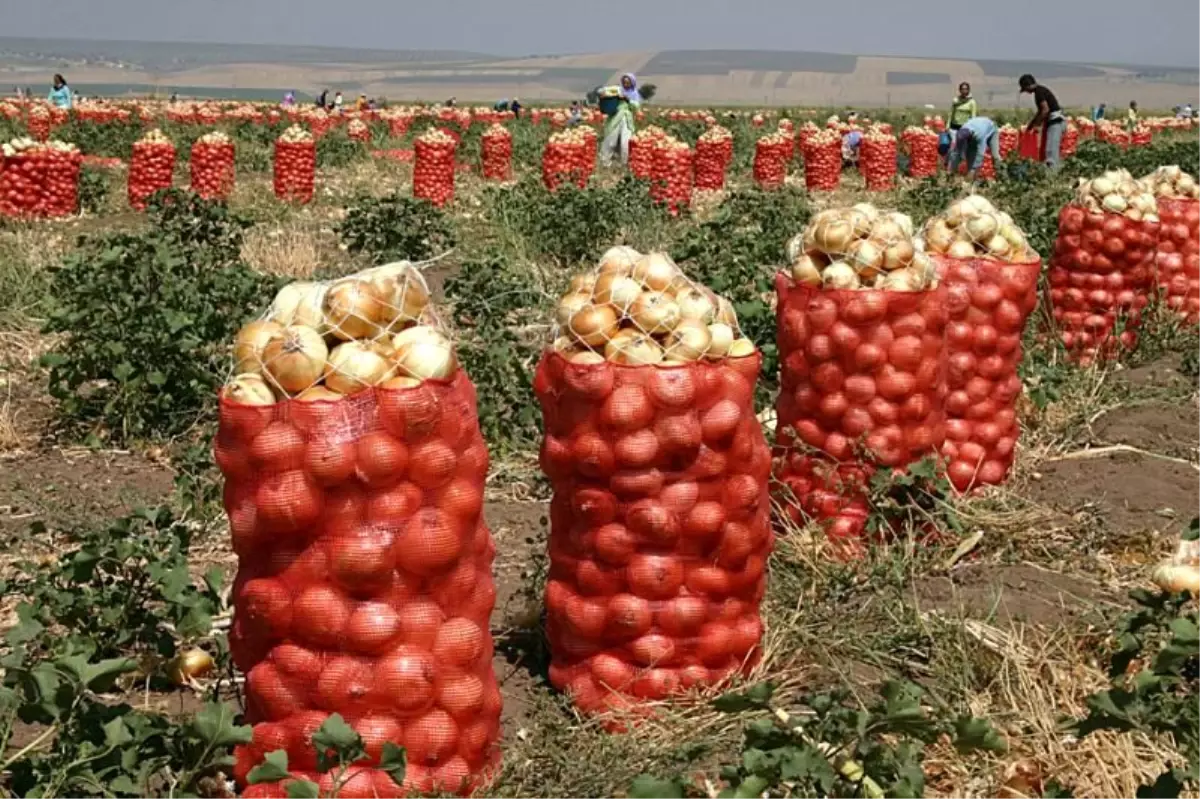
pixel 619 127
pixel 60 95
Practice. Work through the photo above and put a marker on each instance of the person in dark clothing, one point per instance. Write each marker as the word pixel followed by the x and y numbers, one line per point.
pixel 453 101
pixel 1049 116
pixel 322 98
pixel 515 107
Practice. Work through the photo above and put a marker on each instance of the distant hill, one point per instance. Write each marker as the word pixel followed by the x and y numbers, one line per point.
pixel 683 77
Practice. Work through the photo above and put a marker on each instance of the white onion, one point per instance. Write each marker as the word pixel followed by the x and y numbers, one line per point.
pixel 689 341
pixel 249 389
pixel 295 358
pixel 427 358
pixel 354 366
pixel 840 275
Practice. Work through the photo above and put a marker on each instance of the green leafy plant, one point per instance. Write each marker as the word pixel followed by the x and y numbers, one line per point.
pixel 916 498
pixel 94 189
pixel 395 228
pixel 831 745
pixel 207 229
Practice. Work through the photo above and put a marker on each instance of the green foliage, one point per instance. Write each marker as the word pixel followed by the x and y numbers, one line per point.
pixel 1094 156
pixel 335 149
pixel 497 309
pixel 834 745
pixel 929 197
pixel 144 322
pixel 570 224
pixel 108 139
pixel 917 498
pixel 94 188
pixel 737 253
pixel 121 589
pixel 1033 196
pixel 396 228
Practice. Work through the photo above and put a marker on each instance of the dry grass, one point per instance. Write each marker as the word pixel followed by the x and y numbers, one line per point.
pixel 291 249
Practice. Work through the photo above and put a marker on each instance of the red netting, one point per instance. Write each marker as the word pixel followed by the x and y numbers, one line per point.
pixel 710 164
pixel 823 162
pixel 1010 139
pixel 496 144
pixel 358 131
pixel 212 168
pixel 771 154
pixel 659 526
pixel 364 582
pixel 671 175
pixel 40 182
pixel 1070 141
pixel 1177 256
pixel 987 303
pixel 877 162
pixel 295 170
pixel 922 145
pixel 641 154
pixel 398 126
pixel 1029 145
pixel 564 160
pixel 862 386
pixel 1101 275
pixel 152 168
pixel 1140 137
pixel 433 169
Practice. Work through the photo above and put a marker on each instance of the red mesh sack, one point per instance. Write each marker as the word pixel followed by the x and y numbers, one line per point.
pixel 671 175
pixel 803 134
pixel 152 167
pixel 1177 254
pixel 212 166
pixel 295 165
pixel 1010 139
pixel 641 151
pixel 922 146
pixel 39 180
pixel 877 161
pixel 823 161
pixel 770 160
pixel 359 131
pixel 1101 275
pixel 591 144
pixel 1140 136
pixel 398 125
pixel 1070 141
pixel 660 526
pixel 364 582
pixel 496 144
pixel 321 123
pixel 564 159
pixel 711 158
pixel 433 168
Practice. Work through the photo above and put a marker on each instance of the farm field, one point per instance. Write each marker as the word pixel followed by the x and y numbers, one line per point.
pixel 959 657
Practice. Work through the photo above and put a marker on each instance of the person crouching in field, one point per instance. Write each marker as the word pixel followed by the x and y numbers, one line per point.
pixel 619 104
pixel 971 141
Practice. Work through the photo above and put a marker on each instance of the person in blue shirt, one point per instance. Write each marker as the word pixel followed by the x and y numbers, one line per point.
pixel 1098 112
pixel 60 95
pixel 974 138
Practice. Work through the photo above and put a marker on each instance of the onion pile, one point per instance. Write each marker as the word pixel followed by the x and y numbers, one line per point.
pixel 1117 192
pixel 922 145
pixel 636 309
pixel 859 248
pixel 39 179
pixel 1172 182
pixel 565 158
pixel 151 168
pixel 772 153
pixel 496 149
pixel 433 168
pixel 323 341
pixel 671 174
pixel 972 228
pixel 295 165
pixel 641 150
pixel 877 159
pixel 1182 571
pixel 212 165
pixel 823 160
pixel 358 130
pixel 714 151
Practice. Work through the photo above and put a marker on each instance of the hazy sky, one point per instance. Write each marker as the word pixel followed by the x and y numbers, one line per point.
pixel 1123 31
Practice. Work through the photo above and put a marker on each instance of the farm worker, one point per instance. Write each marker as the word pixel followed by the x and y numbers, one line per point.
pixel 361 103
pixel 963 107
pixel 289 99
pixel 976 136
pixel 323 98
pixel 1131 118
pixel 515 107
pixel 453 101
pixel 619 126
pixel 1185 112
pixel 502 105
pixel 1049 116
pixel 1098 112
pixel 338 102
pixel 850 144
pixel 576 114
pixel 60 95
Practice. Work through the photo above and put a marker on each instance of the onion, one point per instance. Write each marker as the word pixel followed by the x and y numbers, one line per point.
pixel 248 389
pixel 982 227
pixel 689 341
pixel 430 356
pixel 399 383
pixel 1178 578
pixel 1114 202
pixel 860 223
pixel 617 290
pixel 865 256
pixel 316 393
pixel 354 366
pixel 583 283
pixel 695 303
pixel 594 325
pixel 619 260
pixel 903 221
pixel 885 231
pixel 570 304
pixel 998 246
pixel 957 212
pixel 902 280
pixel 655 271
pixel 187 666
pixel 840 275
pixel 741 348
pixel 414 333
pixel 354 309
pixel 978 204
pixel 899 255
pixel 922 266
pixel 249 343
pixel 402 289
pixel 794 247
pixel 654 312
pixel 585 357
pixel 295 358
pixel 638 349
pixel 833 236
pixel 1102 186
pixel 868 210
pixel 961 249
pixel 725 312
pixel 806 272
pixel 721 338
pixel 300 304
pixel 938 236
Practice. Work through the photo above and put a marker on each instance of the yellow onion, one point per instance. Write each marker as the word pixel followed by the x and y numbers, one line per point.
pixel 806 271
pixel 961 249
pixel 860 223
pixel 922 266
pixel 654 312
pixel 903 221
pixel 415 333
pixel 186 667
pixel 998 246
pixel 354 366
pixel 689 341
pixel 840 275
pixel 865 256
pixel 868 210
pixel 978 204
pixel 402 289
pixel 249 343
pixel 429 357
pixel 795 246
pixel 1102 185
pixel 594 325
pixel 725 312
pixel 248 389
pixel 1177 578
pixel 317 394
pixel 569 304
pixel 902 280
pixel 833 236
pixel 354 309
pixel 957 213
pixel 617 290
pixel 741 347
pixel 655 271
pixel 400 383
pixel 637 349
pixel 300 303
pixel 695 303
pixel 721 337
pixel 295 358
pixel 885 231
pixel 982 227
pixel 619 260
pixel 1115 203
pixel 938 236
pixel 898 255
pixel 585 357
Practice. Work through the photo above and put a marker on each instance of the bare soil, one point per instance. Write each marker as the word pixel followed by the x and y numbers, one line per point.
pixel 1012 593
pixel 1157 427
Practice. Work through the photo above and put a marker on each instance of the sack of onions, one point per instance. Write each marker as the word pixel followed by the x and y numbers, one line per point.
pixel 711 159
pixel 991 276
pixel 151 168
pixel 354 475
pixel 671 174
pixel 660 517
pixel 771 160
pixel 823 161
pixel 591 145
pixel 39 179
pixel 359 131
pixel 433 167
pixel 496 147
pixel 861 331
pixel 1102 270
pixel 1140 136
pixel 295 165
pixel 1177 254
pixel 641 151
pixel 212 166
pixel 922 146
pixel 877 159
pixel 565 159
pixel 1070 140
pixel 803 134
